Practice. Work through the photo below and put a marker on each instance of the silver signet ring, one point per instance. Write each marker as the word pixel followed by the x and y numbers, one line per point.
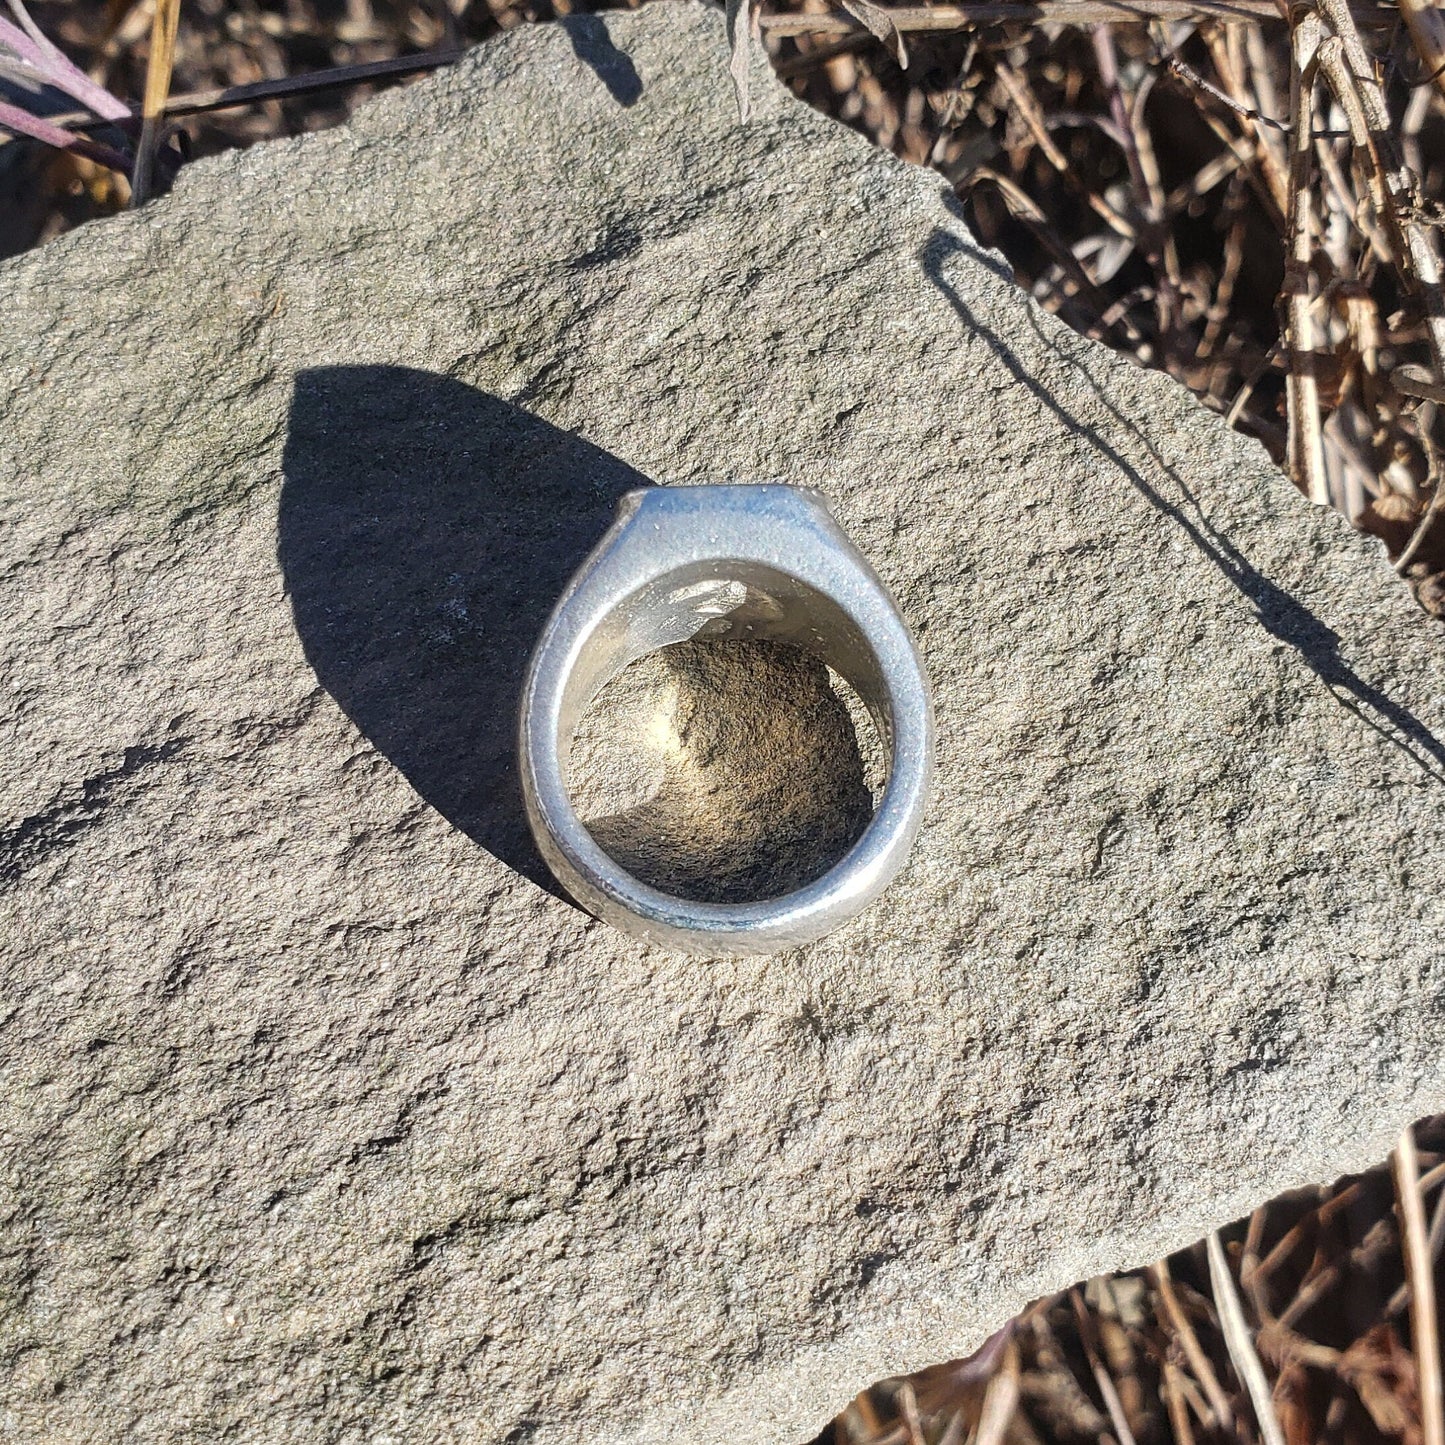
pixel 762 562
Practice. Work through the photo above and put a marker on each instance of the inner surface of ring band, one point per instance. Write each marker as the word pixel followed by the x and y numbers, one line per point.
pixel 723 600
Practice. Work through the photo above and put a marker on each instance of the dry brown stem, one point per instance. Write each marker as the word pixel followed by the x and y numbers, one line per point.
pixel 1189 1342
pixel 1426 25
pixel 1028 110
pixel 1000 1400
pixel 909 1402
pixel 916 18
pixel 1089 1338
pixel 158 86
pixel 285 87
pixel 1306 434
pixel 1238 1342
pixel 1351 76
pixel 1420 1271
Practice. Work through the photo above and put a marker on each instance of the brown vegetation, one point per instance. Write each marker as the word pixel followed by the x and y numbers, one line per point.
pixel 1313 1321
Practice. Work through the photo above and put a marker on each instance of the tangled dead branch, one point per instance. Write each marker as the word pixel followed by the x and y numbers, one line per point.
pixel 1243 196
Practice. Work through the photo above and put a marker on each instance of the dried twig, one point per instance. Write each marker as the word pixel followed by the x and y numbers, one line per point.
pixel 1088 1337
pixel 1023 208
pixel 1000 1400
pixel 1193 1351
pixel 1306 435
pixel 286 87
pixel 1238 1342
pixel 1325 1276
pixel 1176 1404
pixel 1190 76
pixel 27 56
pixel 50 66
pixel 158 85
pixel 819 53
pixel 1028 111
pixel 1242 62
pixel 914 18
pixel 21 122
pixel 1346 66
pixel 1421 1273
pixel 908 1400
pixel 1426 25
pixel 1251 1278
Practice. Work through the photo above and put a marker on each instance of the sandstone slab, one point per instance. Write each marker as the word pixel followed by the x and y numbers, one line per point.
pixel 323 1119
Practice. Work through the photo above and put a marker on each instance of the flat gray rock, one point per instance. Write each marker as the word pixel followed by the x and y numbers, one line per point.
pixel 323 1118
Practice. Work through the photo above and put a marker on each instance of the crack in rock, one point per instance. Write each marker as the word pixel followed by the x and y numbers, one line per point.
pixel 75 810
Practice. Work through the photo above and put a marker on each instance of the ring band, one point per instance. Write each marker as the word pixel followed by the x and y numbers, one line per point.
pixel 763 562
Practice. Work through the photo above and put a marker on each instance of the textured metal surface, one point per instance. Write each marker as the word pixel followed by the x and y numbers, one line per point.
pixel 761 562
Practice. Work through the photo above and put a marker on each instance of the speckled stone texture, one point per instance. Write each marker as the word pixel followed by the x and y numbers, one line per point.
pixel 323 1119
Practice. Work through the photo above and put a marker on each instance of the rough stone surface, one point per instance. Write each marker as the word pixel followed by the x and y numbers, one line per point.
pixel 322 1120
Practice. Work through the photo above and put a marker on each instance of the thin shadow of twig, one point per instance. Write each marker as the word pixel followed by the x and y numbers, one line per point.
pixel 1280 614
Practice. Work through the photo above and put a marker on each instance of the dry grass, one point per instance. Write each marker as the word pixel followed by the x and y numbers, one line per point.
pixel 1311 1322
pixel 1248 206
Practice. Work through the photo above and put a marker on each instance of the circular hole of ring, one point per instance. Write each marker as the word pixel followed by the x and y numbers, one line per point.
pixel 726 771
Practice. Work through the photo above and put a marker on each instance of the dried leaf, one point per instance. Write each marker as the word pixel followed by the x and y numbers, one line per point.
pixel 1392 519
